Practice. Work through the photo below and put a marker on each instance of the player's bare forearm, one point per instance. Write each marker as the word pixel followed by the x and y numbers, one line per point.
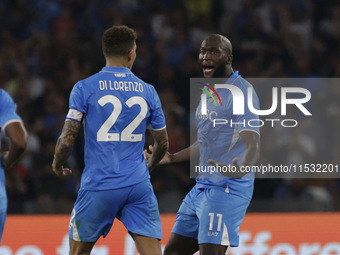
pixel 252 151
pixel 65 144
pixel 251 155
pixel 185 154
pixel 177 157
pixel 160 147
pixel 252 145
pixel 18 136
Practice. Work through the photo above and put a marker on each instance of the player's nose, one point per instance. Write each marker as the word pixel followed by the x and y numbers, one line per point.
pixel 207 55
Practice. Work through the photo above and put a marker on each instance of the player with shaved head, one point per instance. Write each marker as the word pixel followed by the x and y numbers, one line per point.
pixel 210 215
pixel 218 63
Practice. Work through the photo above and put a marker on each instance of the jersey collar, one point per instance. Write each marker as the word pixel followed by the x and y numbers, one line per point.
pixel 230 80
pixel 232 77
pixel 116 69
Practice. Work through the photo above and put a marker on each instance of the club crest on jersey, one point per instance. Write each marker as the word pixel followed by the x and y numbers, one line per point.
pixel 211 115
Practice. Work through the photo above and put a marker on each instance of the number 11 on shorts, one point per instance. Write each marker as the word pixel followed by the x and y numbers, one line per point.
pixel 219 222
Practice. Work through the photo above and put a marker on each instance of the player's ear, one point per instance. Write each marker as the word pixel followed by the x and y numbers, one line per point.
pixel 230 59
pixel 130 55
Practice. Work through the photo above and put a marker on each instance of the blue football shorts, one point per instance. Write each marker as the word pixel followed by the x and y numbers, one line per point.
pixel 135 206
pixel 3 208
pixel 2 223
pixel 212 216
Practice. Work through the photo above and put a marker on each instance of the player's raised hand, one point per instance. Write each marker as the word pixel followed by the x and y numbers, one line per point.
pixel 233 168
pixel 61 171
pixel 165 160
pixel 215 163
pixel 234 163
pixel 147 155
pixel 4 155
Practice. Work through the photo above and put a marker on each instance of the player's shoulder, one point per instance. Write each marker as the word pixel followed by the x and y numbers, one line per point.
pixel 244 84
pixel 148 87
pixel 5 97
pixel 86 85
pixel 3 93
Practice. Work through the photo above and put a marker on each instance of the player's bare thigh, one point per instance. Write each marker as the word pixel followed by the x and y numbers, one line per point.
pixel 212 249
pixel 181 245
pixel 80 248
pixel 147 245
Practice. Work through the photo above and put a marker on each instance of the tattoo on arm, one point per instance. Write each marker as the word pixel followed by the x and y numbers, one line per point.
pixel 66 141
pixel 161 138
pixel 252 145
pixel 160 147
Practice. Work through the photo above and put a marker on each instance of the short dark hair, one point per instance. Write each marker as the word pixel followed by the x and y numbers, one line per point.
pixel 118 41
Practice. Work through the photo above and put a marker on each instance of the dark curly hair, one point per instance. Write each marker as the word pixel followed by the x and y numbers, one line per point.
pixel 118 41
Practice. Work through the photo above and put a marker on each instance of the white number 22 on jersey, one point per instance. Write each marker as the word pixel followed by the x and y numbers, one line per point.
pixel 126 135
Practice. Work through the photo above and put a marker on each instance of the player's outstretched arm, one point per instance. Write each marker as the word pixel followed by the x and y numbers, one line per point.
pixel 64 146
pixel 180 156
pixel 252 145
pixel 18 136
pixel 159 149
pixel 251 142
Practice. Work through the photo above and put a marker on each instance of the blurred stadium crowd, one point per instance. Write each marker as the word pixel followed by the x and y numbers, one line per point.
pixel 46 46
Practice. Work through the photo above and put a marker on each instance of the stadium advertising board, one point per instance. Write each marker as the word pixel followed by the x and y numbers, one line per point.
pixel 272 234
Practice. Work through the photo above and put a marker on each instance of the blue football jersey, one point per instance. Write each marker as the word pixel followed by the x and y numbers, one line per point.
pixel 118 106
pixel 221 141
pixel 7 115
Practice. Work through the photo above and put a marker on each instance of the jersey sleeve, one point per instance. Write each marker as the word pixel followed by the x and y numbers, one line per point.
pixel 77 98
pixel 7 110
pixel 156 119
pixel 248 121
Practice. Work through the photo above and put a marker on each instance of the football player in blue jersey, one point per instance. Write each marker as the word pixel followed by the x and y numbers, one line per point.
pixel 115 107
pixel 12 126
pixel 210 216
